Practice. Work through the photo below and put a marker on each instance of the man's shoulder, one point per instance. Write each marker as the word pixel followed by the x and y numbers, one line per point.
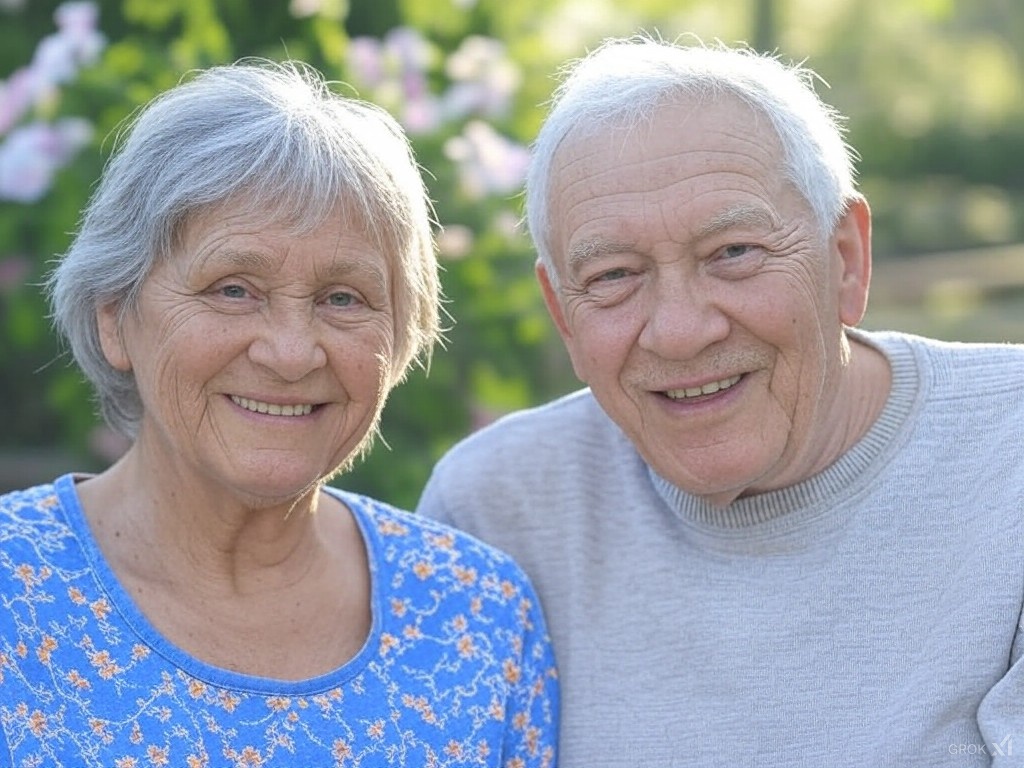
pixel 575 418
pixel 524 464
pixel 991 367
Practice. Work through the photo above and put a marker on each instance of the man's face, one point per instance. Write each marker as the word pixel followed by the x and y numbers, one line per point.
pixel 698 299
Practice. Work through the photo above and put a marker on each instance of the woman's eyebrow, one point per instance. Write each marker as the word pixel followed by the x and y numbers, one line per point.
pixel 243 259
pixel 343 269
pixel 247 260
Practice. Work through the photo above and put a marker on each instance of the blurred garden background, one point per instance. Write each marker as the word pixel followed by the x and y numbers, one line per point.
pixel 933 90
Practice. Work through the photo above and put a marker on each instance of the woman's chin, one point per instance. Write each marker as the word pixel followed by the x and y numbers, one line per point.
pixel 273 485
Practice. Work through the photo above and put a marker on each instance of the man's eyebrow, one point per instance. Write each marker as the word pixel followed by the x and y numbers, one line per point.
pixel 737 216
pixel 594 248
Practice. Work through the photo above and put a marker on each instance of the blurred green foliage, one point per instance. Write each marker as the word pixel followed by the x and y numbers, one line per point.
pixel 933 88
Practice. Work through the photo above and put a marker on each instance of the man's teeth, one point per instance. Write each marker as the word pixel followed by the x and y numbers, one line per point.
pixel 707 389
pixel 272 408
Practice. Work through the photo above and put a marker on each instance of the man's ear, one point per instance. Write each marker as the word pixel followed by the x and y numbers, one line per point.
pixel 852 240
pixel 551 299
pixel 111 340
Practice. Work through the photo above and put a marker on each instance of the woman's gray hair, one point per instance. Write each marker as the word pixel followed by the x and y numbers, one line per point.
pixel 624 80
pixel 275 139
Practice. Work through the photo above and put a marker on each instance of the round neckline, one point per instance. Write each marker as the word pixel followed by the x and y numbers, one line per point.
pixel 792 510
pixel 139 624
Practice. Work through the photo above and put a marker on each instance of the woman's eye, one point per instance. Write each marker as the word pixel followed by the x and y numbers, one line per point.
pixel 341 299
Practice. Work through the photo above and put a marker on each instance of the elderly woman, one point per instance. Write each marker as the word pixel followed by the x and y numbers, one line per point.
pixel 254 274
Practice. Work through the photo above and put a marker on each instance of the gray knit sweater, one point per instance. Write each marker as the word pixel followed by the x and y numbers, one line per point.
pixel 869 616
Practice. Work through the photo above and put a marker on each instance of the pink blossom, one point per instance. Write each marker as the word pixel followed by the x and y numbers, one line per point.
pixel 484 78
pixel 59 56
pixel 31 154
pixel 421 115
pixel 365 61
pixel 13 272
pixel 487 161
pixel 508 224
pixel 77 22
pixel 394 73
pixel 409 48
pixel 455 241
pixel 56 60
pixel 17 96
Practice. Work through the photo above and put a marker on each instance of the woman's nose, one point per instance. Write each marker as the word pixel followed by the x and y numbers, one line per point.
pixel 288 345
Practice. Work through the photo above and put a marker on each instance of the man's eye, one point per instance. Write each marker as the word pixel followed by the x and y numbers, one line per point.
pixel 735 251
pixel 233 291
pixel 612 274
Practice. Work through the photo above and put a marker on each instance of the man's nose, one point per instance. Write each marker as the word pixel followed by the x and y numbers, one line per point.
pixel 682 319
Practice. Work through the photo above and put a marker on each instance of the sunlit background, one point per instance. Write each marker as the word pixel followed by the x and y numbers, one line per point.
pixel 932 89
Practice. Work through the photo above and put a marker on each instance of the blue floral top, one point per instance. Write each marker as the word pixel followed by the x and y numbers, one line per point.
pixel 457 669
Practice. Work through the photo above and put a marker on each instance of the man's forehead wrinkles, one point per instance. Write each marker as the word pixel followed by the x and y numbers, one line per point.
pixel 656 175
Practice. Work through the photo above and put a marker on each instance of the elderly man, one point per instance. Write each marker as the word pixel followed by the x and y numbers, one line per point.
pixel 761 536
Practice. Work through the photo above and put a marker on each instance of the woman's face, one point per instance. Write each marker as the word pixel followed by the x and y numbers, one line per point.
pixel 261 356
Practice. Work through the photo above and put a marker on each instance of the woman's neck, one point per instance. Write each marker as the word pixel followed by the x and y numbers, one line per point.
pixel 229 582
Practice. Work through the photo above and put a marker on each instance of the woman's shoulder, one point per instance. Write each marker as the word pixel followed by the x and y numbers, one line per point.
pixel 434 551
pixel 31 503
pixel 36 514
pixel 419 532
pixel 40 556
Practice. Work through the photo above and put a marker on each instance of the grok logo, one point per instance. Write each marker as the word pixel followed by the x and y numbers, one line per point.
pixel 1002 748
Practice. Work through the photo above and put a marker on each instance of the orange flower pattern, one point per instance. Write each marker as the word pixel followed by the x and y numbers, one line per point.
pixel 457 671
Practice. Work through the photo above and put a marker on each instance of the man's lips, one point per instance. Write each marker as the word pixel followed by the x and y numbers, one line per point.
pixel 705 389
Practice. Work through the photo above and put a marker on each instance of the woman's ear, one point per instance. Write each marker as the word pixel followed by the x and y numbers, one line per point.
pixel 108 320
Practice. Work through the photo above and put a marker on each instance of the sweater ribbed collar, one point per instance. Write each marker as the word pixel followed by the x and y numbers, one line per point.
pixel 773 512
